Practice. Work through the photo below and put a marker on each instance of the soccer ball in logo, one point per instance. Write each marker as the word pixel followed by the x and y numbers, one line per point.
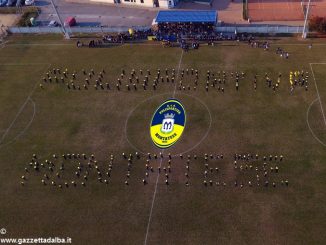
pixel 167 123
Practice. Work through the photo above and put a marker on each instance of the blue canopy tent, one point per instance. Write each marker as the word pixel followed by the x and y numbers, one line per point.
pixel 186 16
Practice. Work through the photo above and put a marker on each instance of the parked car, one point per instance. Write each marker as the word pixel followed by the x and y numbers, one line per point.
pixel 29 2
pixel 20 3
pixel 3 3
pixel 70 21
pixel 11 3
pixel 53 23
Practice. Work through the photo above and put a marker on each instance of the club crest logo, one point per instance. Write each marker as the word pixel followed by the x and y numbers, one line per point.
pixel 168 123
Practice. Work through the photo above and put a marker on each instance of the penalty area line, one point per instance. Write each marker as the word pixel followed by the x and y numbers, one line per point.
pixel 21 108
pixel 318 95
pixel 307 120
pixel 26 127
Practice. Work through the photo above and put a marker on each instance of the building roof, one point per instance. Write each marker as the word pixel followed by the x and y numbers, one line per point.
pixel 179 16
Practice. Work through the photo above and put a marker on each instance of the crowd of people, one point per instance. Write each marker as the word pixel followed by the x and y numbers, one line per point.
pixel 282 53
pixel 299 79
pixel 180 29
pixel 254 170
pixel 258 44
pixel 172 32
pixel 184 79
pixel 197 33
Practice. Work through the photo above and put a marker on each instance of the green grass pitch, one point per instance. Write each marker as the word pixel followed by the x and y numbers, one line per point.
pixel 234 207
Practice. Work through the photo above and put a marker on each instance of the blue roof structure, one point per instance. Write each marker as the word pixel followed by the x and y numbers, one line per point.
pixel 180 16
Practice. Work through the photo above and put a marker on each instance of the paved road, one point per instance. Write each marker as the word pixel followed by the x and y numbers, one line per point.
pixel 109 15
pixel 95 14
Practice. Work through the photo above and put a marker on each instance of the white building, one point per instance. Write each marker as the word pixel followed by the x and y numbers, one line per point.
pixel 145 3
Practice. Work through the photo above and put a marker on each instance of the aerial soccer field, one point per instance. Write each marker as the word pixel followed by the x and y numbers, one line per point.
pixel 77 159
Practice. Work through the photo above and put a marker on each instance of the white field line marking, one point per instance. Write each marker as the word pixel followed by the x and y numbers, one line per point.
pixel 307 119
pixel 221 43
pixel 158 175
pixel 208 129
pixel 153 201
pixel 297 44
pixel 321 106
pixel 13 122
pixel 72 44
pixel 40 44
pixel 20 109
pixel 129 115
pixel 22 64
pixel 149 98
pixel 24 130
pixel 178 71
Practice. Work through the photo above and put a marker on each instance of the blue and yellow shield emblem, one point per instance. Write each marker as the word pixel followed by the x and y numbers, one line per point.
pixel 168 123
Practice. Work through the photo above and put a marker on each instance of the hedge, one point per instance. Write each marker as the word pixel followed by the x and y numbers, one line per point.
pixel 27 15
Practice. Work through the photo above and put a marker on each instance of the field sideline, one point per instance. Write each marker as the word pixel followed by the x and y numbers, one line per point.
pixel 70 116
